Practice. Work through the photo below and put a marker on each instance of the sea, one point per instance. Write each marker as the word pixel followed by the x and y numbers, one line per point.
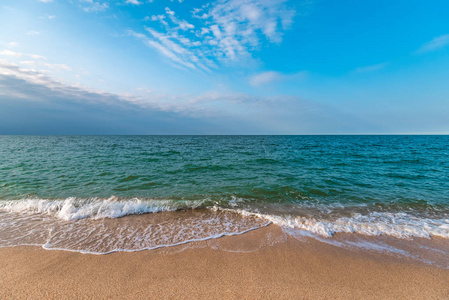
pixel 104 194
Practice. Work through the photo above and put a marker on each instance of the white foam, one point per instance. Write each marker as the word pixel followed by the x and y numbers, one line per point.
pixel 74 208
pixel 49 246
pixel 400 225
pixel 92 226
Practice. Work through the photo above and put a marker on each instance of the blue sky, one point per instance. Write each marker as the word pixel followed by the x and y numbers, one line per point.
pixel 224 67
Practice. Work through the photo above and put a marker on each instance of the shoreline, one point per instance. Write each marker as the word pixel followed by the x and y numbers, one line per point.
pixel 263 263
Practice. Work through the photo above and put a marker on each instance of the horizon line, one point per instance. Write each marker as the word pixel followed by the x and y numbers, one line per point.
pixel 302 134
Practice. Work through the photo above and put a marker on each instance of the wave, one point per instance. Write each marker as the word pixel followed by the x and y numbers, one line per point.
pixel 101 226
pixel 73 208
pixel 399 225
pixel 370 223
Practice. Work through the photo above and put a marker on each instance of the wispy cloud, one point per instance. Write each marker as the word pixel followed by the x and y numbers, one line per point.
pixel 167 47
pixel 49 17
pixel 160 18
pixel 94 6
pixel 10 53
pixel 134 2
pixel 33 63
pixel 265 78
pixel 36 56
pixel 19 54
pixel 371 68
pixel 29 75
pixel 438 43
pixel 46 1
pixel 221 31
pixel 182 24
pixel 270 77
pixel 238 26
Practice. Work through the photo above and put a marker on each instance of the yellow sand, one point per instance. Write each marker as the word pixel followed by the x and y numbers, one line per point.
pixel 274 267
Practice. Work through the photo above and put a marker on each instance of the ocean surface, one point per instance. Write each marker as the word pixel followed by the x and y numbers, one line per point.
pixel 101 194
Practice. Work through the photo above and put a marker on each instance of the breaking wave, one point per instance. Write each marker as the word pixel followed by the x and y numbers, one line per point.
pixel 95 208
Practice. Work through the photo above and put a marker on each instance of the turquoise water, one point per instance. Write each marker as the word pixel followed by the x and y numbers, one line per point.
pixel 397 171
pixel 373 185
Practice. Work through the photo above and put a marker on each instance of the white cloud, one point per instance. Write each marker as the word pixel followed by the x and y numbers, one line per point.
pixel 31 75
pixel 269 77
pixel 234 113
pixel 182 24
pixel 371 68
pixel 46 1
pixel 265 78
pixel 437 43
pixel 94 6
pixel 10 53
pixel 46 65
pixel 13 44
pixel 175 47
pixel 160 18
pixel 18 54
pixel 32 32
pixel 194 105
pixel 47 16
pixel 229 30
pixel 159 47
pixel 239 26
pixel 35 56
pixel 32 62
pixel 134 2
pixel 81 110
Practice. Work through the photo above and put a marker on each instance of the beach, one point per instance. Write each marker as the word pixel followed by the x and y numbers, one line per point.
pixel 223 217
pixel 224 149
pixel 260 264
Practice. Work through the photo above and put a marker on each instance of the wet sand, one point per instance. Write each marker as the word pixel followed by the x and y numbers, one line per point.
pixel 261 264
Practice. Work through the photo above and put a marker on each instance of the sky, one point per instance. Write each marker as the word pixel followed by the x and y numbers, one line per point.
pixel 224 67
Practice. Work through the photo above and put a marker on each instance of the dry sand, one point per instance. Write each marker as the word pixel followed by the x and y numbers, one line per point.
pixel 262 264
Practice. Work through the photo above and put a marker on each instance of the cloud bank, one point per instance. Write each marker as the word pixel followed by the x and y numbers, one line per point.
pixel 34 103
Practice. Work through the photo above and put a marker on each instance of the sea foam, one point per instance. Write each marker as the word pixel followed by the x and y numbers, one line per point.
pixel 101 226
pixel 94 208
pixel 399 225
